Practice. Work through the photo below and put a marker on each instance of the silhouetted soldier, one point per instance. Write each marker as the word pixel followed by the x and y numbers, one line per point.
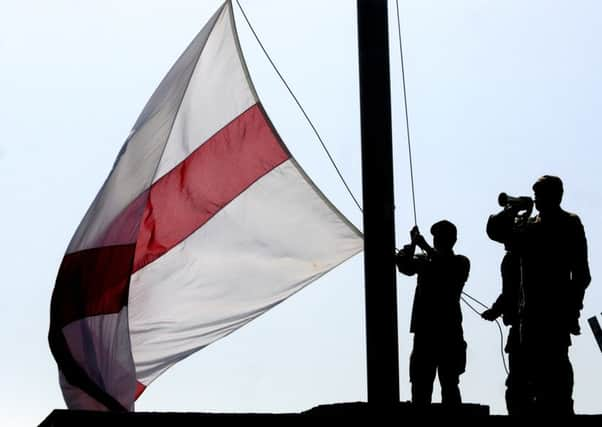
pixel 517 395
pixel 553 255
pixel 436 315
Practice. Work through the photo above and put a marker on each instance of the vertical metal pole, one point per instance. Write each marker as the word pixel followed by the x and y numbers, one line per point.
pixel 378 202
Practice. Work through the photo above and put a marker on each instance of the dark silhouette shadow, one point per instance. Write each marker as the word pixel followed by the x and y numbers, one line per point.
pixel 516 213
pixel 346 413
pixel 552 253
pixel 439 346
pixel 596 330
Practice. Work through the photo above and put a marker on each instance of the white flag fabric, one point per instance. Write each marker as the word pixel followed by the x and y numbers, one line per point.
pixel 204 223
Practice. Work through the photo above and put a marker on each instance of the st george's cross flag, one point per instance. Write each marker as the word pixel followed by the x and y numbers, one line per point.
pixel 205 222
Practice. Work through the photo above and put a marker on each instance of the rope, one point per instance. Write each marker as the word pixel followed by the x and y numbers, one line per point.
pixel 405 107
pixel 332 162
pixel 475 300
pixel 497 322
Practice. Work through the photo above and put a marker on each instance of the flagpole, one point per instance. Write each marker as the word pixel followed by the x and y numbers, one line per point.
pixel 378 202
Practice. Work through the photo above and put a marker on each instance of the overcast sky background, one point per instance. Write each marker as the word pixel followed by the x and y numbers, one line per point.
pixel 499 93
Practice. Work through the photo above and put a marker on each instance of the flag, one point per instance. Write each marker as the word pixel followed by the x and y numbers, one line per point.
pixel 205 222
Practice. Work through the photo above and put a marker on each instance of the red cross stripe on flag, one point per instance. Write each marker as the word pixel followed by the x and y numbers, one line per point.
pixel 204 223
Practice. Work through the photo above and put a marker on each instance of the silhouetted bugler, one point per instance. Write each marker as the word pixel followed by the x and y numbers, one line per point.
pixel 553 276
pixel 521 203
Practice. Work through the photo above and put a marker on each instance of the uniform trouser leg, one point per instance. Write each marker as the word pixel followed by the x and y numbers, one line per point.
pixel 554 384
pixel 422 373
pixel 517 394
pixel 452 363
pixel 552 373
pixel 517 388
pixel 450 390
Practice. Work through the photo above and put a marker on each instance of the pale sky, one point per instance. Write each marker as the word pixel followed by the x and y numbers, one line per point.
pixel 499 93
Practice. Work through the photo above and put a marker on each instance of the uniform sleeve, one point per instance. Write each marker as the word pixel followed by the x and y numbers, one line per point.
pixel 464 268
pixel 500 226
pixel 408 263
pixel 460 274
pixel 499 305
pixel 580 275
